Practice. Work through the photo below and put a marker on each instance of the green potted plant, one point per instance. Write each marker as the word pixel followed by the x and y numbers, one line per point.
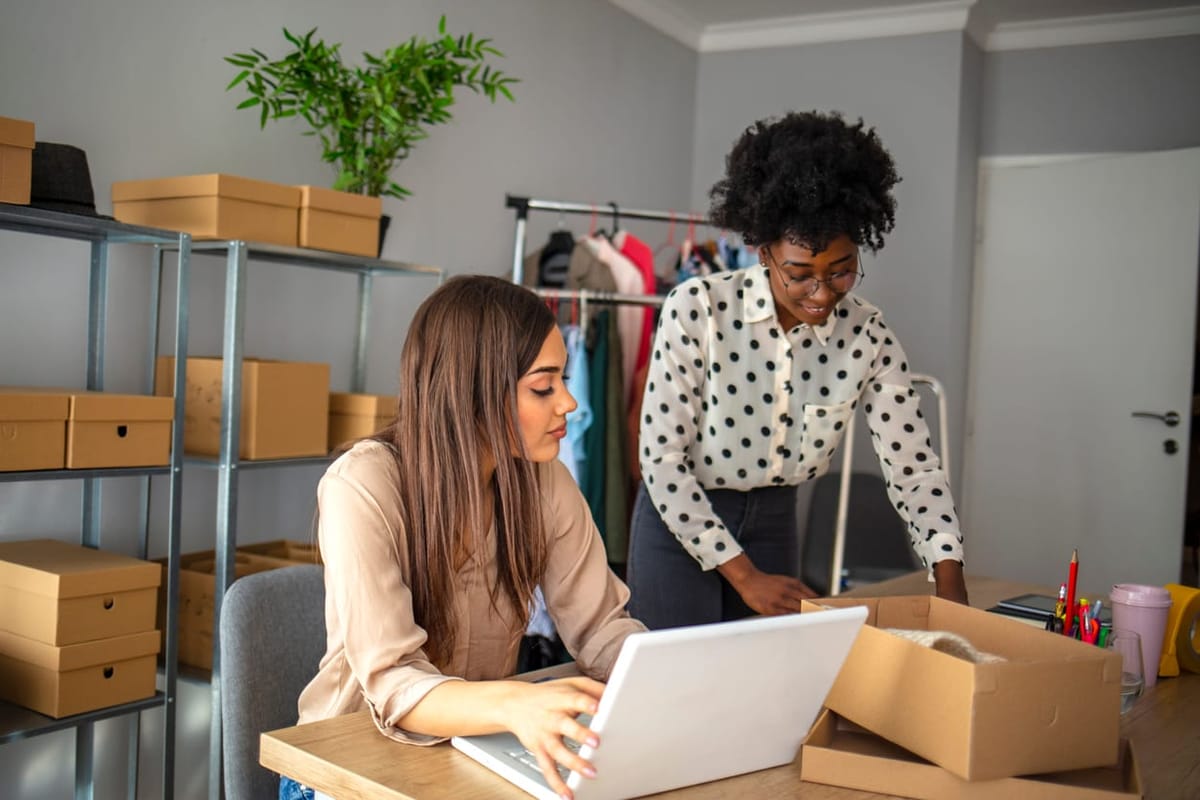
pixel 368 117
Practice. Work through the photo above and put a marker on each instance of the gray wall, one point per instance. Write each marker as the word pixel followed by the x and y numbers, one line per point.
pixel 1118 97
pixel 604 112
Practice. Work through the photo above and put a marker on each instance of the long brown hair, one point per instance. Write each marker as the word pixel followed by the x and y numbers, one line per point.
pixel 468 345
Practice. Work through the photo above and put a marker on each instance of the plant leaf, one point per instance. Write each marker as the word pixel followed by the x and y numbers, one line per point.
pixel 241 76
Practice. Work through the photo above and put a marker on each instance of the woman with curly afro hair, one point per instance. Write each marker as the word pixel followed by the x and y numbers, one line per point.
pixel 756 373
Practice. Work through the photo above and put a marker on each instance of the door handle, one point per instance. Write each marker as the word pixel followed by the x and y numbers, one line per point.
pixel 1170 419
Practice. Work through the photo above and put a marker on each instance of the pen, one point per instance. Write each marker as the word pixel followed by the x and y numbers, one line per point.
pixel 1072 577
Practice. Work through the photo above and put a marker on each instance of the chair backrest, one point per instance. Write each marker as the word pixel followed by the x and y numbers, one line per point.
pixel 272 640
pixel 877 544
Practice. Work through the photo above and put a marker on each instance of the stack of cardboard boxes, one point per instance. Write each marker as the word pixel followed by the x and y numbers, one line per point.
pixel 76 627
pixel 72 429
pixel 217 206
pixel 903 719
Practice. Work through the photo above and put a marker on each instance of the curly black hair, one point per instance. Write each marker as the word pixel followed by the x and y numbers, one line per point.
pixel 809 177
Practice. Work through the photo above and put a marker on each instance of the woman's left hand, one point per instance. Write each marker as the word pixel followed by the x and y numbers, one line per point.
pixel 950 582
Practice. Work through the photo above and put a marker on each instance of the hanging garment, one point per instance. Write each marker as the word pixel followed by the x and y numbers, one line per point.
pixel 617 484
pixel 555 259
pixel 629 318
pixel 591 470
pixel 572 452
pixel 642 257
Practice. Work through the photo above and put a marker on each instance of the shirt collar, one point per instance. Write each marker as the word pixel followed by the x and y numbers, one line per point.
pixel 759 289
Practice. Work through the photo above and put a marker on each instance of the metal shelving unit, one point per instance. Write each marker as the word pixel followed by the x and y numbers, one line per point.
pixel 19 723
pixel 228 464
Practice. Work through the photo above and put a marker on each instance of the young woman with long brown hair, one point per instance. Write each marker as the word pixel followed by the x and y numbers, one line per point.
pixel 436 531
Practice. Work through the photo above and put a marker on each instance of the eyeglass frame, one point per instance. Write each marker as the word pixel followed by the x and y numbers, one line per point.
pixel 787 282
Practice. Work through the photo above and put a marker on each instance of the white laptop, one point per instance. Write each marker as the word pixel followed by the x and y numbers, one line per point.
pixel 689 705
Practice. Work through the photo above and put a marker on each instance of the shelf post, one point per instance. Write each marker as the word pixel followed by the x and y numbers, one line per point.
pixel 227 484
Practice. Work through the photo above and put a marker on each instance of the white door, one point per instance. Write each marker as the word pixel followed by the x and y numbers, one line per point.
pixel 1084 312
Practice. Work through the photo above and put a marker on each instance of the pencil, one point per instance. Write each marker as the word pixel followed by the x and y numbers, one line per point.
pixel 1072 577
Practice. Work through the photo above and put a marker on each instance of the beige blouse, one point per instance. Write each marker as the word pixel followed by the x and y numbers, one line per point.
pixel 374 654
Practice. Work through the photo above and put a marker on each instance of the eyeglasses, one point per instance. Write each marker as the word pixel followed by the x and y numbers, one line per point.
pixel 839 282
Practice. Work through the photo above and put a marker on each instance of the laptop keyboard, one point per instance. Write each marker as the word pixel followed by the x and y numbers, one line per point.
pixel 526 757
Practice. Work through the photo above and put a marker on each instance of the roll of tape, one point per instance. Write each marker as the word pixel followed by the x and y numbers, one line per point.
pixel 1181 645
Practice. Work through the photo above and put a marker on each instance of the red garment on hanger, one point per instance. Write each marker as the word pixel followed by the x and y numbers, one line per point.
pixel 642 256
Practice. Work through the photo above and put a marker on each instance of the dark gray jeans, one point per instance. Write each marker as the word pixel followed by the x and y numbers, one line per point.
pixel 668 588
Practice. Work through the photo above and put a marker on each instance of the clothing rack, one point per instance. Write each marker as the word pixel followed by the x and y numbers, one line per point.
pixel 585 296
pixel 523 205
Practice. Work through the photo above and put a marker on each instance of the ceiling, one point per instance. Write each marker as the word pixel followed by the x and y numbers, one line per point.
pixel 707 25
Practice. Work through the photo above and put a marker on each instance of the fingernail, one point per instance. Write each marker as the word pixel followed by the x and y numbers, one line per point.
pixel 589 771
pixel 593 741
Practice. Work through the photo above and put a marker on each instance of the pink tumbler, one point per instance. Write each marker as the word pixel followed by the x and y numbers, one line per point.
pixel 1143 609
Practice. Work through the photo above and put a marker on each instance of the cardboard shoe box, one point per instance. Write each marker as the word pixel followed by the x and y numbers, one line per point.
pixel 61 681
pixel 213 206
pixel 33 429
pixel 16 160
pixel 839 754
pixel 354 416
pixel 339 221
pixel 285 407
pixel 118 430
pixel 197 586
pixel 1051 705
pixel 60 593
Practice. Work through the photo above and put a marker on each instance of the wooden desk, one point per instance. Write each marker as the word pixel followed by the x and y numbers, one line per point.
pixel 346 757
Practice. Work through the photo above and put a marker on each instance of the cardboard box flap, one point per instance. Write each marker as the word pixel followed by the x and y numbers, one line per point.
pixel 110 407
pixel 84 654
pixel 365 405
pixel 20 404
pixel 211 185
pixel 58 569
pixel 16 132
pixel 356 205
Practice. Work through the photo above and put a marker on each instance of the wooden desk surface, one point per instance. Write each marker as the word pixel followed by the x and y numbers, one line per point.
pixel 346 757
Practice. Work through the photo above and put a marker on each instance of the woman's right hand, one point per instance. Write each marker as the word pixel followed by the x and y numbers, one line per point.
pixel 764 592
pixel 541 714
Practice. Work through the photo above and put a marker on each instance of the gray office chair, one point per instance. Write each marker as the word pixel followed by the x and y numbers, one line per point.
pixel 877 545
pixel 854 536
pixel 272 639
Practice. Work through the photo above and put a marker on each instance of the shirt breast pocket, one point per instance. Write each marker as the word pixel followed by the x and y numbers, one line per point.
pixel 823 429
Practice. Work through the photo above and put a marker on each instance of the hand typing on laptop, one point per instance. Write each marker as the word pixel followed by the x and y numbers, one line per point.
pixel 546 713
pixel 539 715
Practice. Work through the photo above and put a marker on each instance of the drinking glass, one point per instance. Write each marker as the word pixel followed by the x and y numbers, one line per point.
pixel 1129 645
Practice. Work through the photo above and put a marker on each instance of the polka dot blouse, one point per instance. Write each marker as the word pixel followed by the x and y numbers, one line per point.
pixel 734 402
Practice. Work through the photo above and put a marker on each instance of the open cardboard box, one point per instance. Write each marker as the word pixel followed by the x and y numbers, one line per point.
pixel 1052 705
pixel 197 588
pixel 839 753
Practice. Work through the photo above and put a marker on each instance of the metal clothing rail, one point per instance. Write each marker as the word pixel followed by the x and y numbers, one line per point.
pixel 585 296
pixel 523 205
pixel 843 506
